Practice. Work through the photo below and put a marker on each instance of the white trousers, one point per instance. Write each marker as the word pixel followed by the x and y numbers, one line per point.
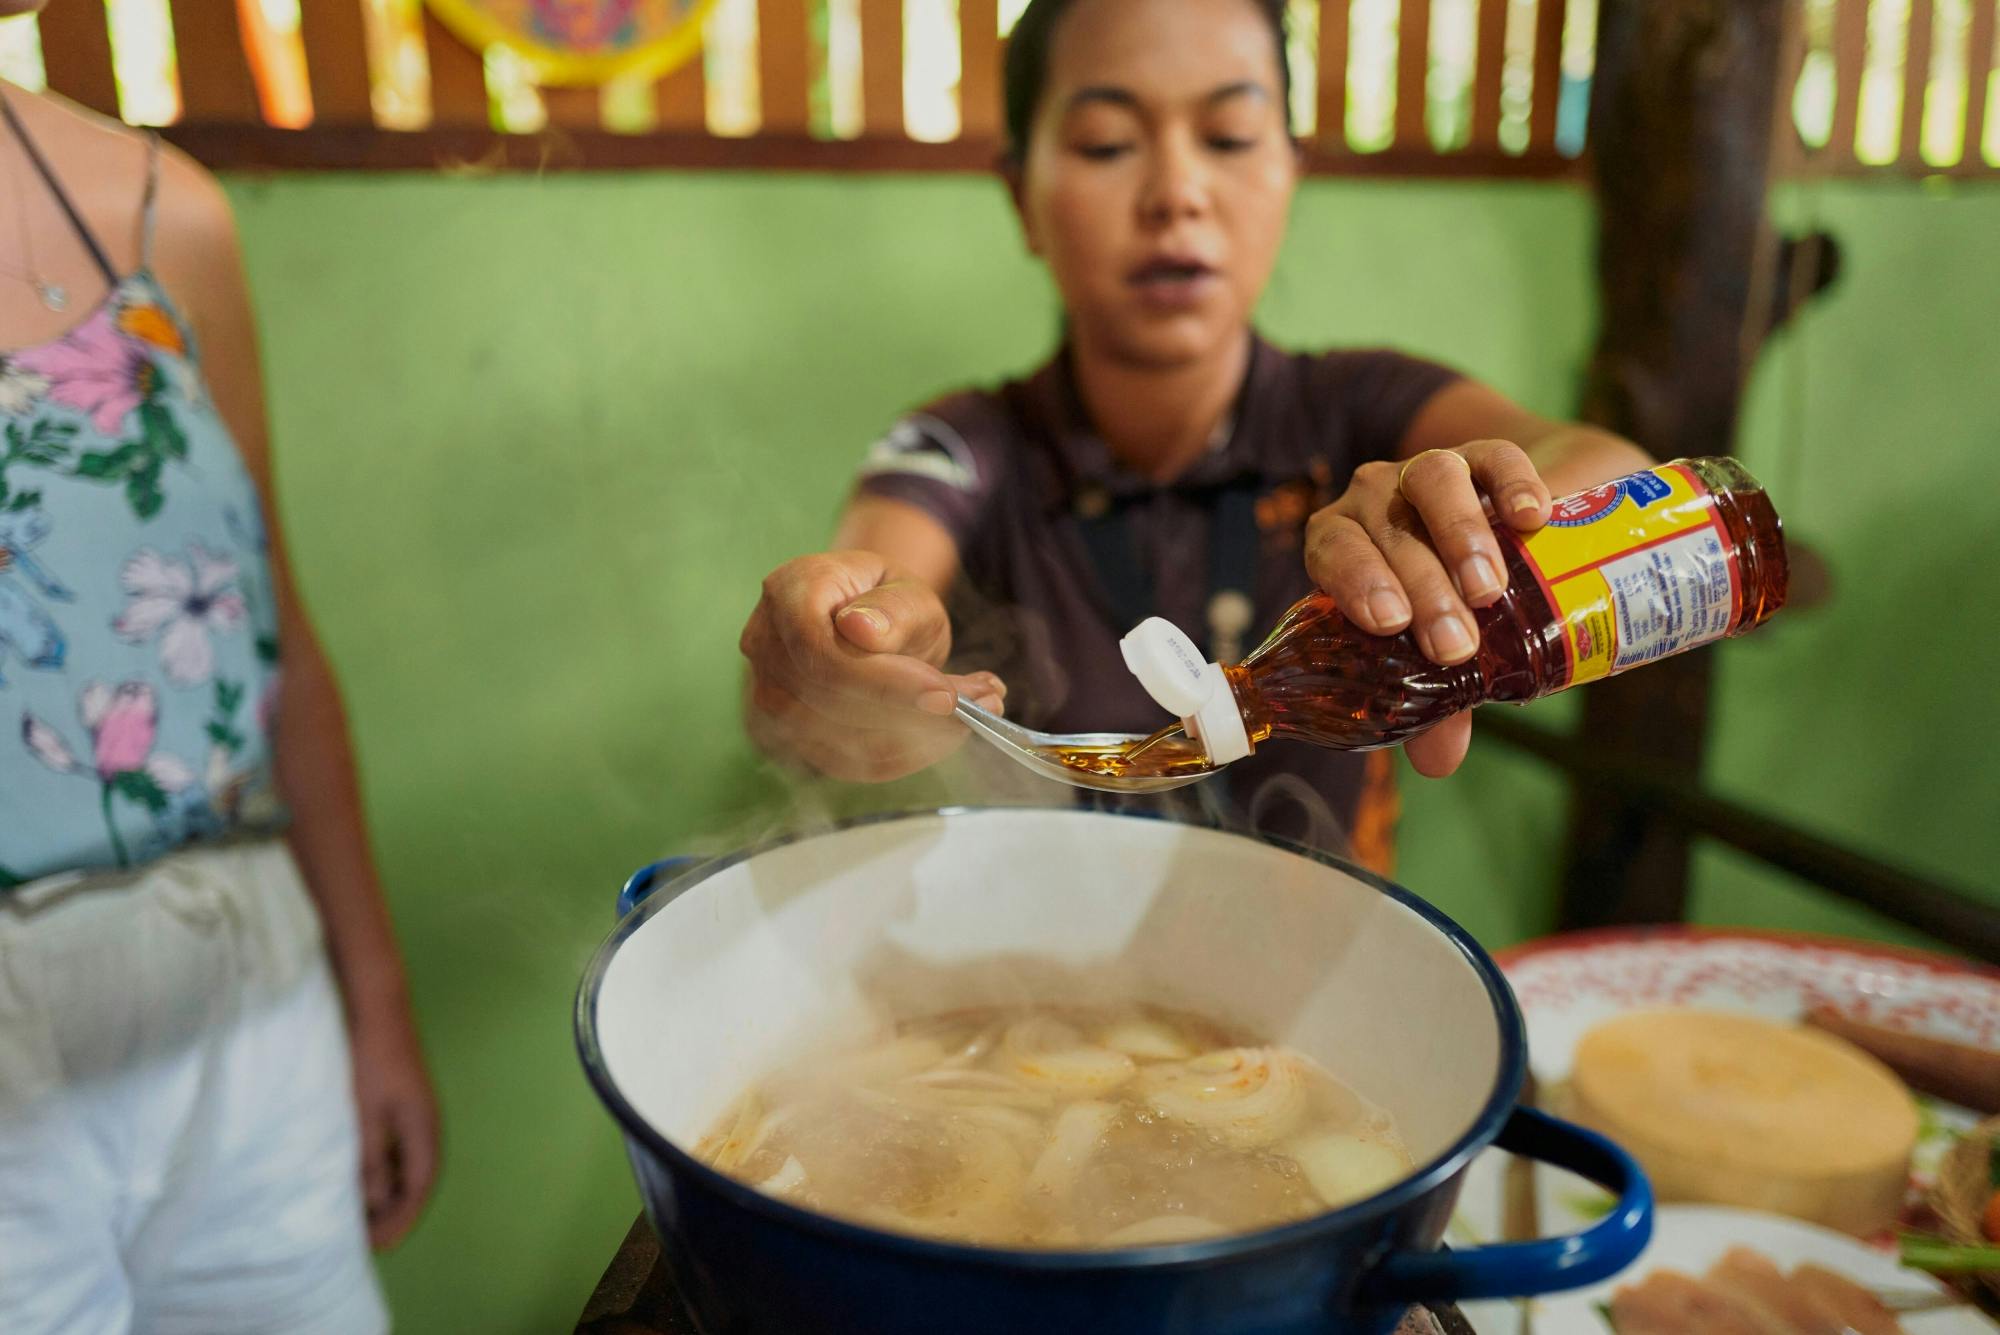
pixel 178 1149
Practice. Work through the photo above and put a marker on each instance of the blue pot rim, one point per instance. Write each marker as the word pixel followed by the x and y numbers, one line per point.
pixel 1440 1170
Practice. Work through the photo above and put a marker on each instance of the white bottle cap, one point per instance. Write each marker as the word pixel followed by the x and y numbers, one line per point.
pixel 1193 690
pixel 1167 664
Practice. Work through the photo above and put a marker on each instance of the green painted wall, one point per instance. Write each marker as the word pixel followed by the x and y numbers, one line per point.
pixel 1875 719
pixel 539 438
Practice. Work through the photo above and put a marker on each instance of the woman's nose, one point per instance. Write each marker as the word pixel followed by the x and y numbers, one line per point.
pixel 1177 188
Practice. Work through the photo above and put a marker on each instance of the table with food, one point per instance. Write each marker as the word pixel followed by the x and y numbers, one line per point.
pixel 1812 1113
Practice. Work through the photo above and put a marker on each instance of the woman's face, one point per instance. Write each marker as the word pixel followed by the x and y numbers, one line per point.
pixel 1158 173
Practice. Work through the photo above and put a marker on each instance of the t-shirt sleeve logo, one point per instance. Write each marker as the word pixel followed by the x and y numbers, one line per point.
pixel 924 446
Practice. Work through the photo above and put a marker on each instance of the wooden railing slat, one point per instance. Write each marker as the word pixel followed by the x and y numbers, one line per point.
pixel 1331 113
pixel 216 84
pixel 1489 63
pixel 1547 97
pixel 979 68
pixel 574 108
pixel 1788 148
pixel 76 54
pixel 882 67
pixel 784 70
pixel 683 97
pixel 1413 64
pixel 458 78
pixel 335 36
pixel 1850 58
pixel 1978 74
pixel 1916 79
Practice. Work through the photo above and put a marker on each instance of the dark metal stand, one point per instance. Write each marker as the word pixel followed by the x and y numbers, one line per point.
pixel 636 1297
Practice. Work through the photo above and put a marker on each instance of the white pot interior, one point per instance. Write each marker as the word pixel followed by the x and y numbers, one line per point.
pixel 816 941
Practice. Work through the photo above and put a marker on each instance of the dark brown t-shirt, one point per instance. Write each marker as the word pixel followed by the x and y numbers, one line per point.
pixel 1018 476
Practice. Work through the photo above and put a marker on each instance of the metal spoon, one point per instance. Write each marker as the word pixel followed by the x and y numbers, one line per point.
pixel 1037 751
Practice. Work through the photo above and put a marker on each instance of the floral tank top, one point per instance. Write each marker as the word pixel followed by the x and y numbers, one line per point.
pixel 138 650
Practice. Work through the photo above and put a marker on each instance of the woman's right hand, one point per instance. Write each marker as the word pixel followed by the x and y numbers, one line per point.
pixel 846 669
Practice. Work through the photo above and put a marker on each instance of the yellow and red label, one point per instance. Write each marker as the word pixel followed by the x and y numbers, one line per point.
pixel 1636 569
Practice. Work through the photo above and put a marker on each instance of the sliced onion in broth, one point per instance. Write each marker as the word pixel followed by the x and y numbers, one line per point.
pixel 1048 1053
pixel 1048 1127
pixel 1074 1140
pixel 1146 1039
pixel 1245 1097
pixel 1344 1168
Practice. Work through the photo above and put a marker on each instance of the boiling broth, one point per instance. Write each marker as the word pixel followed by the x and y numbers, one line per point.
pixel 1047 1127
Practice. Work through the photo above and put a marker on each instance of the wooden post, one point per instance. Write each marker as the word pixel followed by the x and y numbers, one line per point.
pixel 1684 270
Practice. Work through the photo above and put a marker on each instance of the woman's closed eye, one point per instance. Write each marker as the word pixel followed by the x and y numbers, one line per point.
pixel 1104 150
pixel 1236 127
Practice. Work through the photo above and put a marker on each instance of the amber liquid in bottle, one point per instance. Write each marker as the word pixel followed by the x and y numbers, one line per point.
pixel 1320 678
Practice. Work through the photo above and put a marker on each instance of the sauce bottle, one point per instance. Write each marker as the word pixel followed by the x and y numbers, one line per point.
pixel 1623 574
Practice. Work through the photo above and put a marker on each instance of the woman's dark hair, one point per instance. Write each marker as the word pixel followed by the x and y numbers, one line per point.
pixel 1027 66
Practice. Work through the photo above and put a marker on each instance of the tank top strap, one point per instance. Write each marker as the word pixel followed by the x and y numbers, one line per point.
pixel 49 178
pixel 149 201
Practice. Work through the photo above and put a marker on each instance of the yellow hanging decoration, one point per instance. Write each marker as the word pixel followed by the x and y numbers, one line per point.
pixel 570 43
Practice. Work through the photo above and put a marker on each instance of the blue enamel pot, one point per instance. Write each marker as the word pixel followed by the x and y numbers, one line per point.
pixel 721 970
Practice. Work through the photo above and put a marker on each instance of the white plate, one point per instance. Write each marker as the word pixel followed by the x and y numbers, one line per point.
pixel 1691 1238
pixel 1569 984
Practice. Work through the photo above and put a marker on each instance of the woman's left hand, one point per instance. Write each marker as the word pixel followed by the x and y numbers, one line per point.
pixel 399 1122
pixel 1410 546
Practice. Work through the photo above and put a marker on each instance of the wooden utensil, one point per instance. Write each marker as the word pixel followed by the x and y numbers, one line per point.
pixel 1956 1072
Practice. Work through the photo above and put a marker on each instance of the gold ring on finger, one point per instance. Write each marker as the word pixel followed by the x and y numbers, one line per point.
pixel 1412 463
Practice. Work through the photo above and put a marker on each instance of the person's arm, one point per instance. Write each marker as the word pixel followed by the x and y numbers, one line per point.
pixel 200 263
pixel 1410 545
pixel 905 535
pixel 1568 456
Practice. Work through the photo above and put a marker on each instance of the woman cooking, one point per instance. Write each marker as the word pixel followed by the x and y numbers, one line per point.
pixel 1166 460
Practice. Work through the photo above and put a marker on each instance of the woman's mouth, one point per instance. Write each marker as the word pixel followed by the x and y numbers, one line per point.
pixel 1170 283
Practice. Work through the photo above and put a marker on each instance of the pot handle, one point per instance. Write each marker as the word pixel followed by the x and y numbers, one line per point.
pixel 1522 1269
pixel 649 878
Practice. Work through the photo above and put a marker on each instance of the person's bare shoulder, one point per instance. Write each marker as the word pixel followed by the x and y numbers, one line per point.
pixel 102 164
pixel 194 223
pixel 59 124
